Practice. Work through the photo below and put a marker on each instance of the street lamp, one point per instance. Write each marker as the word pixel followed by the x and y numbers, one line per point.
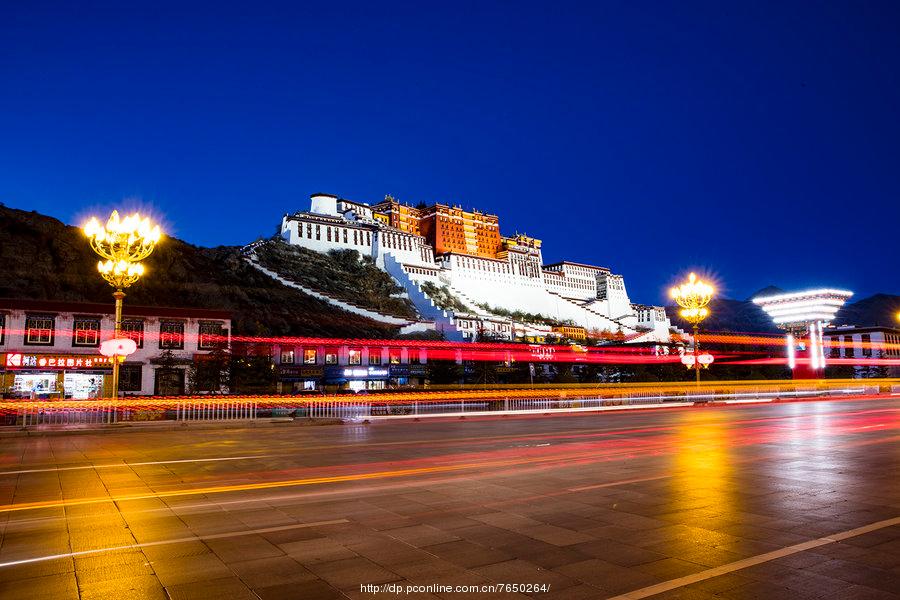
pixel 124 243
pixel 693 297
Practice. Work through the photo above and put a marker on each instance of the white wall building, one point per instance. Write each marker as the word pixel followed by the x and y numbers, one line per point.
pixel 51 350
pixel 872 350
pixel 515 280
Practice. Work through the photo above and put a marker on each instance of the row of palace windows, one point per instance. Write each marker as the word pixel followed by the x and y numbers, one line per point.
pixel 310 356
pixel 360 238
pixel 40 330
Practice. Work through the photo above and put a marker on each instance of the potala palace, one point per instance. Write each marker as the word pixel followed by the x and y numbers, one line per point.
pixel 445 251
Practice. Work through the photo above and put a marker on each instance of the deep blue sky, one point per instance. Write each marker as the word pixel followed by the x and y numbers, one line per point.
pixel 609 130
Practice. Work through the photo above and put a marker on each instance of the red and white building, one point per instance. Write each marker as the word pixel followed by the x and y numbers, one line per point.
pixel 51 350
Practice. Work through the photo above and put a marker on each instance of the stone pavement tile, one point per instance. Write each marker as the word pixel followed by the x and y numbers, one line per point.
pixel 271 571
pixel 547 556
pixel 445 521
pixel 493 537
pixel 179 549
pixel 60 586
pixel 764 590
pixel 722 583
pixel 102 537
pixel 617 553
pixel 467 554
pixel 520 571
pixel 558 536
pixel 292 535
pixel 316 550
pixel 388 552
pixel 349 573
pixel 230 588
pixel 860 574
pixel 305 590
pixel 860 592
pixel 504 520
pixel 110 560
pixel 131 587
pixel 807 582
pixel 257 519
pixel 44 568
pixel 704 555
pixel 244 547
pixel 188 569
pixel 686 593
pixel 421 535
pixel 114 569
pixel 422 570
pixel 610 578
pixel 669 568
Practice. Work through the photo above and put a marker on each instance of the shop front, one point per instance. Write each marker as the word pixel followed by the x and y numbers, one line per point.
pixel 56 376
pixel 297 379
pixel 408 375
pixel 357 378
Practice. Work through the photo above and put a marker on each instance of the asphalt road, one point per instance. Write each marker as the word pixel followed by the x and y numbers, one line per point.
pixel 795 500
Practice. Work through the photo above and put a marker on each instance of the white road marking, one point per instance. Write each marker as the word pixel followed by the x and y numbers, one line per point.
pixel 666 586
pixel 214 536
pixel 137 464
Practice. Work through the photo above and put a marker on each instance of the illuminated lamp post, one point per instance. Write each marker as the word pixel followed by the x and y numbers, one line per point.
pixel 693 298
pixel 124 243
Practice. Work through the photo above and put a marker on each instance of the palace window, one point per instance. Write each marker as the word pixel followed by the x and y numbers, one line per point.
pixel 39 330
pixel 210 335
pixel 133 329
pixel 331 357
pixel 328 233
pixel 394 357
pixel 309 356
pixel 374 357
pixel 866 345
pixel 345 236
pixel 318 232
pixel 171 335
pixel 355 357
pixel 415 357
pixel 287 357
pixel 86 332
pixel 309 230
pixel 849 351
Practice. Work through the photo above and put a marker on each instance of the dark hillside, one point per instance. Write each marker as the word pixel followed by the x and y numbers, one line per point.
pixel 44 259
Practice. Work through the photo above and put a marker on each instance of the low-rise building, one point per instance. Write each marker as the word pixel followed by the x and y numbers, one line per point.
pixel 874 351
pixel 51 350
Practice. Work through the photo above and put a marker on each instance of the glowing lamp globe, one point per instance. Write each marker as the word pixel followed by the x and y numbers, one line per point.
pixel 118 347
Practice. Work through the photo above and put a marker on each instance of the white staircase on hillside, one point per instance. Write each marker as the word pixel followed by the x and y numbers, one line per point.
pixel 443 319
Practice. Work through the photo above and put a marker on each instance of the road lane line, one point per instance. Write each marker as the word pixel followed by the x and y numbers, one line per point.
pixel 615 483
pixel 139 464
pixel 196 538
pixel 673 584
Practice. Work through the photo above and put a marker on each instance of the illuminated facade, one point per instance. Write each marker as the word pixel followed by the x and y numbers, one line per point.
pixel 51 350
pixel 464 253
pixel 804 316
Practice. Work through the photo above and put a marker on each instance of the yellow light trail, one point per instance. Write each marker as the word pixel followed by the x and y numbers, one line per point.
pixel 292 483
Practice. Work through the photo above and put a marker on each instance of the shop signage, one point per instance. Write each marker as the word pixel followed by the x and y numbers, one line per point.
pixel 407 370
pixel 15 360
pixel 296 371
pixel 356 373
